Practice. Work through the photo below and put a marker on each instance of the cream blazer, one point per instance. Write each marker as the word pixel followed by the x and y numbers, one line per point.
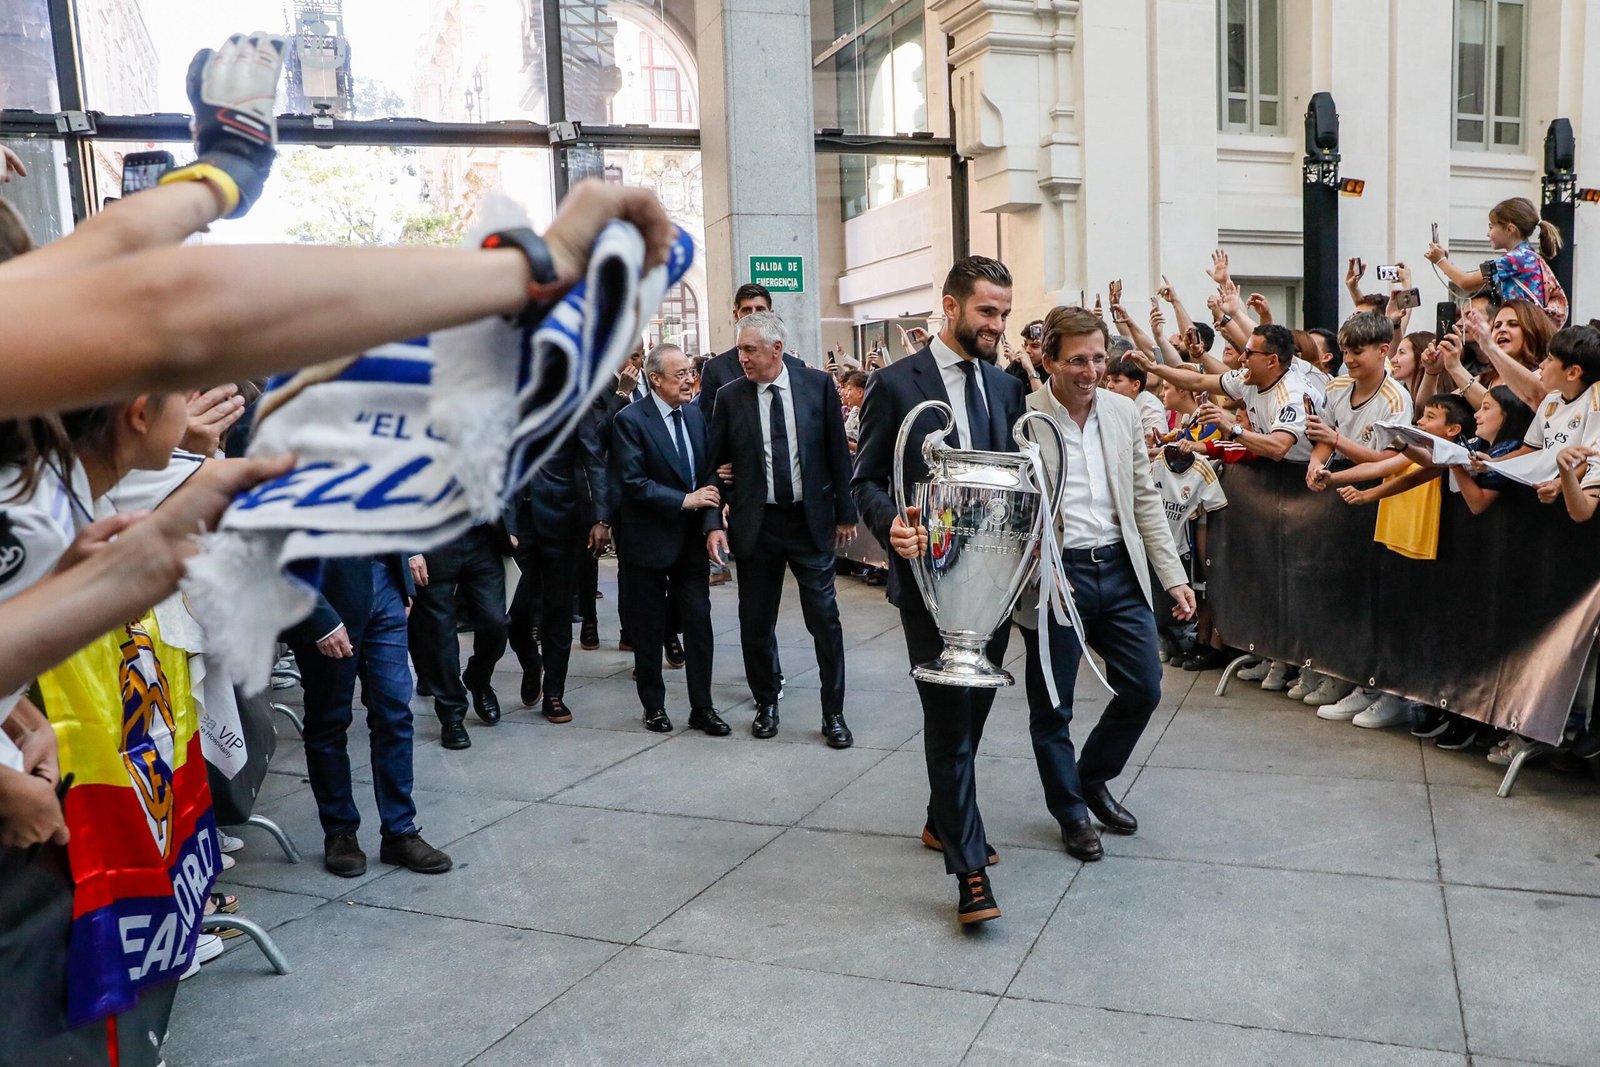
pixel 1134 497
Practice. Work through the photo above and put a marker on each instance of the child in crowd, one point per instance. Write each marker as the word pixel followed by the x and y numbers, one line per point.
pixel 1523 272
pixel 1126 377
pixel 1189 490
pixel 1408 523
pixel 1569 413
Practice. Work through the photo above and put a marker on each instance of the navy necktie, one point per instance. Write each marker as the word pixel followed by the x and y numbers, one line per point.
pixel 977 410
pixel 782 475
pixel 684 464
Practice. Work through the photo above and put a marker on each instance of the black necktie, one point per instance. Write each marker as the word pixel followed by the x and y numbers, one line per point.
pixel 683 449
pixel 782 476
pixel 977 410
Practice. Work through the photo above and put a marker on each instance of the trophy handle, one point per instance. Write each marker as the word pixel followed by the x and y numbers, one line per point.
pixel 931 445
pixel 1056 498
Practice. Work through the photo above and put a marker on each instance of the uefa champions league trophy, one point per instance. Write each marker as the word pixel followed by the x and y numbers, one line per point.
pixel 986 514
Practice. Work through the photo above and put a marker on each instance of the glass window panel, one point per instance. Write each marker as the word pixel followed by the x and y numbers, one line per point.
pixel 876 80
pixel 1508 134
pixel 1471 30
pixel 1267 48
pixel 1267 111
pixel 43 198
pixel 1508 52
pixel 1238 112
pixel 674 174
pixel 1469 131
pixel 442 60
pixel 27 57
pixel 1237 59
pixel 616 59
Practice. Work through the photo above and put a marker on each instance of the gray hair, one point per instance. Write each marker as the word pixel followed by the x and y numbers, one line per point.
pixel 657 356
pixel 768 325
pixel 1118 346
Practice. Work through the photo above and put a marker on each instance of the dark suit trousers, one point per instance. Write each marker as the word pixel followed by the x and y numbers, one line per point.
pixel 650 598
pixel 1122 628
pixel 952 720
pixel 544 599
pixel 468 574
pixel 786 542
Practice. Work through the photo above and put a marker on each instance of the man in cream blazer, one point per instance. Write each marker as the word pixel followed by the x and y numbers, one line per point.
pixel 1113 534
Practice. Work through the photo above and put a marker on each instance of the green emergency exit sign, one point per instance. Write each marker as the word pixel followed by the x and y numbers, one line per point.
pixel 780 274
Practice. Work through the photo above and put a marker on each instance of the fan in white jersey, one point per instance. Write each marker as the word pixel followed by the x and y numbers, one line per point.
pixel 1569 413
pixel 1359 399
pixel 1188 487
pixel 1271 384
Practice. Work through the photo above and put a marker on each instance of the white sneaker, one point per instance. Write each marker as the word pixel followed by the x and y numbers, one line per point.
pixel 1307 681
pixel 1255 672
pixel 1277 679
pixel 1358 701
pixel 227 862
pixel 1388 710
pixel 207 947
pixel 1329 691
pixel 1508 749
pixel 228 844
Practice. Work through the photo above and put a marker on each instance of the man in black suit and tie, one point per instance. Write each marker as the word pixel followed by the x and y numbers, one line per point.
pixel 554 526
pixel 955 367
pixel 782 430
pixel 726 368
pixel 660 482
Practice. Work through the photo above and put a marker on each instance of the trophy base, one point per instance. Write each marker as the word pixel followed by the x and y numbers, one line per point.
pixel 963 665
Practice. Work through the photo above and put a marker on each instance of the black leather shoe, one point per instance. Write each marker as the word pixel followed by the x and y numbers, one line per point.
pixel 342 855
pixel 555 709
pixel 532 687
pixel 977 899
pixel 454 735
pixel 837 733
pixel 485 703
pixel 707 720
pixel 413 853
pixel 589 635
pixel 931 840
pixel 1205 659
pixel 656 720
pixel 766 721
pixel 1081 840
pixel 1115 817
pixel 672 648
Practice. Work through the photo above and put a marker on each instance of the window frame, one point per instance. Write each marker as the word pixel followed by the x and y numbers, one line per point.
pixel 1252 96
pixel 1489 118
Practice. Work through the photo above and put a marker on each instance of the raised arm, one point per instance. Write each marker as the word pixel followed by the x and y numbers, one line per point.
pixel 1522 380
pixel 1468 281
pixel 1184 378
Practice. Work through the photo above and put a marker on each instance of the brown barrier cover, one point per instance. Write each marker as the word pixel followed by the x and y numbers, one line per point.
pixel 1496 628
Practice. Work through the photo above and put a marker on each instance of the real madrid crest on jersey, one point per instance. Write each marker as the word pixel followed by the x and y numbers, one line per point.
pixel 13 554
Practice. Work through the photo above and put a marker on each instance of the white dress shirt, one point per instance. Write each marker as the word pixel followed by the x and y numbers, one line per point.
pixel 666 410
pixel 955 384
pixel 764 406
pixel 1091 518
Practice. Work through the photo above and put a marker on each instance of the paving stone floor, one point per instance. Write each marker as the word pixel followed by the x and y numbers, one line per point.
pixel 1300 892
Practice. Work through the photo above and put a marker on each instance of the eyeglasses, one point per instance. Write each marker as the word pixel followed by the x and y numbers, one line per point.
pixel 1083 362
pixel 1248 351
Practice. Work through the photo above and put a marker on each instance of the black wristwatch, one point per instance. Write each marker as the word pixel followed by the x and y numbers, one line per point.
pixel 541 267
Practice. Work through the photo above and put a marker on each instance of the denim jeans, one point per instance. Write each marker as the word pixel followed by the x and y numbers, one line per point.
pixel 380 665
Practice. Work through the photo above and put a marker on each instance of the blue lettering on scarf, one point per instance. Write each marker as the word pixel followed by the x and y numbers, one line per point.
pixel 265 493
pixel 319 496
pixel 378 496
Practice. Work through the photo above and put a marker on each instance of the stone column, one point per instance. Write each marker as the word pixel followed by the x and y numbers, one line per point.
pixel 758 140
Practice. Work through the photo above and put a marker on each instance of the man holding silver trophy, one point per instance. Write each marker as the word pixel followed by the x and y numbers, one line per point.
pixel 980 404
pixel 975 511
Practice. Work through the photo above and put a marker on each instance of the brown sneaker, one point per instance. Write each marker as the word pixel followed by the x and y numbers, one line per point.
pixel 412 852
pixel 342 855
pixel 977 899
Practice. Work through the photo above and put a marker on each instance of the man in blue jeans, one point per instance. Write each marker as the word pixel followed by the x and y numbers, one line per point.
pixel 358 631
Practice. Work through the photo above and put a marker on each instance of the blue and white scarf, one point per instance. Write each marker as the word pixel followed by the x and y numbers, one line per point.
pixel 404 447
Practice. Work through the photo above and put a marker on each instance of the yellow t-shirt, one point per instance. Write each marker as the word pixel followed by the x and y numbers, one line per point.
pixel 1409 523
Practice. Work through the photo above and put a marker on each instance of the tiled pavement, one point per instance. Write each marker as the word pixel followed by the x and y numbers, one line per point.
pixel 1300 892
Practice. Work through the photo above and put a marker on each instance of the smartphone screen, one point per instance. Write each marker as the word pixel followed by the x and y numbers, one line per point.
pixel 1408 298
pixel 142 170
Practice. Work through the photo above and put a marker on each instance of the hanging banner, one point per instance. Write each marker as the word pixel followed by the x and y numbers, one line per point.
pixel 1496 628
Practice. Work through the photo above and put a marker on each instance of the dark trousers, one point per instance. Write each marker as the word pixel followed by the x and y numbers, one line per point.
pixel 786 541
pixel 952 721
pixel 380 665
pixel 588 578
pixel 465 576
pixel 649 593
pixel 544 599
pixel 1122 628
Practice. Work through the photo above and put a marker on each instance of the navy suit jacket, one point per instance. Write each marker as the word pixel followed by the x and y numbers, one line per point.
pixel 648 486
pixel 569 493
pixel 345 597
pixel 824 459
pixel 723 371
pixel 892 392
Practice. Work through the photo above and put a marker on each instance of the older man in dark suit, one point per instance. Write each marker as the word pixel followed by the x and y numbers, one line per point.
pixel 726 368
pixel 955 367
pixel 781 430
pixel 660 478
